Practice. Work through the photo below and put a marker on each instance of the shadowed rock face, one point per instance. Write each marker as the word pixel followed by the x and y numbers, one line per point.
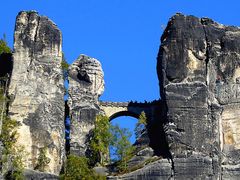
pixel 5 64
pixel 199 71
pixel 37 90
pixel 86 84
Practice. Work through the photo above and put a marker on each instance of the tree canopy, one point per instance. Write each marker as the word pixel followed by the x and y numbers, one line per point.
pixel 141 125
pixel 100 141
pixel 4 48
pixel 121 147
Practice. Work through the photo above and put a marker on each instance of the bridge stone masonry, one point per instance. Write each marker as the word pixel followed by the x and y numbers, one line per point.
pixel 133 109
pixel 154 111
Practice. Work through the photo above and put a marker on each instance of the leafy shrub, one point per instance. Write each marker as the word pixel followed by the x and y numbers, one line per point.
pixel 77 168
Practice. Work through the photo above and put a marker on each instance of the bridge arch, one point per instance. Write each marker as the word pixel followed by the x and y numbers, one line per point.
pixel 123 113
pixel 117 109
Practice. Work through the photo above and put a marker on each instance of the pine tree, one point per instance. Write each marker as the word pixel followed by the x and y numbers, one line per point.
pixel 4 48
pixel 100 141
pixel 121 146
pixel 141 125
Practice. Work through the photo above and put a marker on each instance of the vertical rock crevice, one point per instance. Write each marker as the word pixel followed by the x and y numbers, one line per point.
pixel 67 127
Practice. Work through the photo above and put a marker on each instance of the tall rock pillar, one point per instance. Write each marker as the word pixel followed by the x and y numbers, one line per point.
pixel 37 89
pixel 86 84
pixel 199 72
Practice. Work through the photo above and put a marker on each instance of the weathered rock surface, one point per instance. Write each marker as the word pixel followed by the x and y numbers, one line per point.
pixel 37 89
pixel 86 84
pixel 32 175
pixel 199 69
pixel 195 127
pixel 141 157
pixel 158 170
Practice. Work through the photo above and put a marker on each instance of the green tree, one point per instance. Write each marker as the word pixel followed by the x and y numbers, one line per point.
pixel 65 66
pixel 100 141
pixel 121 146
pixel 12 155
pixel 140 125
pixel 4 48
pixel 77 168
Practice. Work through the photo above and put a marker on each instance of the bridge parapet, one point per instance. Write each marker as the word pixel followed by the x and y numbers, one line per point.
pixel 134 109
pixel 114 104
pixel 129 103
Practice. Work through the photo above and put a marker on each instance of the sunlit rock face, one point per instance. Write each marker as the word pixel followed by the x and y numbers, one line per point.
pixel 199 72
pixel 86 84
pixel 37 89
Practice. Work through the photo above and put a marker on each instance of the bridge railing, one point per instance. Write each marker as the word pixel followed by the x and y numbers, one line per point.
pixel 129 104
pixel 114 104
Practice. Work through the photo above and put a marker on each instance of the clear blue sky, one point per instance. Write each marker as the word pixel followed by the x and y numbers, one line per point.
pixel 123 34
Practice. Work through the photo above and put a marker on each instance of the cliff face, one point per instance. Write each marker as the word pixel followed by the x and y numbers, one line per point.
pixel 86 84
pixel 199 71
pixel 37 90
pixel 195 127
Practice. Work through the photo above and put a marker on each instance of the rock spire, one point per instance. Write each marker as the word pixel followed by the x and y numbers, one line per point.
pixel 37 89
pixel 86 85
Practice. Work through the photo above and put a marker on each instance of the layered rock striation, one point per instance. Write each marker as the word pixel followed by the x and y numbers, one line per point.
pixel 193 129
pixel 199 71
pixel 86 84
pixel 37 89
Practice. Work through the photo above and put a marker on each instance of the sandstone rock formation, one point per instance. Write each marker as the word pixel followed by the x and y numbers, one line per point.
pixel 199 71
pixel 158 170
pixel 194 128
pixel 86 84
pixel 37 89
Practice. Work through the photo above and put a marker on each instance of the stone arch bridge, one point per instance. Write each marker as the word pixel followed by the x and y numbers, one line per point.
pixel 133 109
pixel 155 118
